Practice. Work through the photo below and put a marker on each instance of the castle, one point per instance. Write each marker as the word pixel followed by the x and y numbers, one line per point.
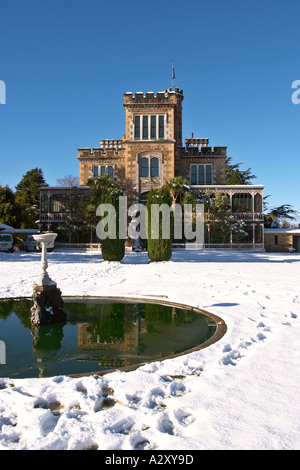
pixel 150 153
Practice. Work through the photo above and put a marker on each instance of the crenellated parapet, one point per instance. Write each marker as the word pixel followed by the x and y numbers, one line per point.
pixel 111 144
pixel 196 143
pixel 111 147
pixel 195 146
pixel 168 96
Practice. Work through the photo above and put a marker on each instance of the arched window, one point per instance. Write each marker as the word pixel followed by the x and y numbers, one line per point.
pixel 144 170
pixel 143 198
pixel 44 203
pixel 59 203
pixel 154 167
pixel 242 202
pixel 258 203
pixel 149 166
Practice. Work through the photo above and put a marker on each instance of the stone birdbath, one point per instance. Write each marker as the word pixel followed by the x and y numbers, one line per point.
pixel 44 239
pixel 47 301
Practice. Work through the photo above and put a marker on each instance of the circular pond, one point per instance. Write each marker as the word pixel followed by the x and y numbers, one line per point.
pixel 99 335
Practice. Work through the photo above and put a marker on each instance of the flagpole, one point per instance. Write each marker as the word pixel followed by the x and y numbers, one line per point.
pixel 173 75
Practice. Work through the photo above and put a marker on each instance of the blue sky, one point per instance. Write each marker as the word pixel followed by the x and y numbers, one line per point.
pixel 67 63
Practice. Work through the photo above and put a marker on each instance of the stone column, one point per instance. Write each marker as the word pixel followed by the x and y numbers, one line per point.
pixel 47 300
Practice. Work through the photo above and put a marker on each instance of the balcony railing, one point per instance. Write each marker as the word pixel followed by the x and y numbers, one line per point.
pixel 54 216
pixel 255 216
pixel 247 216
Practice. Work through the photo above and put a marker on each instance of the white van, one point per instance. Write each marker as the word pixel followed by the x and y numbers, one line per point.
pixel 50 246
pixel 6 242
pixel 30 244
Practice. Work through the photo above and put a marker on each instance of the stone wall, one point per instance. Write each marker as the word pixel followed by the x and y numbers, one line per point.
pixel 183 166
pixel 280 242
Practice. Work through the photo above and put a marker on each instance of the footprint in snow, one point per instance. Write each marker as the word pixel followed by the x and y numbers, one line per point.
pixel 123 426
pixel 262 325
pixel 261 337
pixel 231 358
pixel 293 316
pixel 184 417
pixel 165 425
pixel 140 443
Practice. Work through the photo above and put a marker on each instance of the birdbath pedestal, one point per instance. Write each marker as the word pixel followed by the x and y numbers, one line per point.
pixel 47 301
pixel 44 239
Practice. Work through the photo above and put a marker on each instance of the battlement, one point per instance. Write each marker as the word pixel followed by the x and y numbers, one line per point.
pixel 111 144
pixel 168 96
pixel 196 146
pixel 199 143
pixel 107 147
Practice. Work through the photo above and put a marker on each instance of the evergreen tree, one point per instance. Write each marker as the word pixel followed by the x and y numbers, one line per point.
pixel 221 224
pixel 27 196
pixel 276 217
pixel 234 175
pixel 178 187
pixel 159 249
pixel 76 226
pixel 105 191
pixel 9 210
pixel 98 188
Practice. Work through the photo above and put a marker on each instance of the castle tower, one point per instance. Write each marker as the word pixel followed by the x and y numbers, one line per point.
pixel 153 132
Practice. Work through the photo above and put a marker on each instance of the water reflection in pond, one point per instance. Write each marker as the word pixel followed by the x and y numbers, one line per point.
pixel 99 334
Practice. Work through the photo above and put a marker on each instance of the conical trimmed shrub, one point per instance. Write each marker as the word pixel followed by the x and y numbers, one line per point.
pixel 113 248
pixel 160 248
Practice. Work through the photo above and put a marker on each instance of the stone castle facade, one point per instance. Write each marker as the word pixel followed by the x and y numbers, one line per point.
pixel 152 152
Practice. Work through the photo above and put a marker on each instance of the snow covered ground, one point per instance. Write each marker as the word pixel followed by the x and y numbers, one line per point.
pixel 240 393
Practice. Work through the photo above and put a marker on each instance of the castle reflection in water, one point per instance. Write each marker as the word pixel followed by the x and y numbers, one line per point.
pixel 99 333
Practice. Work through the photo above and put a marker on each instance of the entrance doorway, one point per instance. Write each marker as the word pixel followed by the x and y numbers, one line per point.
pixel 296 243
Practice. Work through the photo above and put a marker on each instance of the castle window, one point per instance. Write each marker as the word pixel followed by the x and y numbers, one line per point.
pixel 154 167
pixel 194 174
pixel 147 164
pixel 161 127
pixel 145 127
pixel 201 174
pixel 137 131
pixel 110 171
pixel 144 167
pixel 208 174
pixel 153 126
pixel 104 170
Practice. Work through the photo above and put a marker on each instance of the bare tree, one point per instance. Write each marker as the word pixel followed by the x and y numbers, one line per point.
pixel 68 181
